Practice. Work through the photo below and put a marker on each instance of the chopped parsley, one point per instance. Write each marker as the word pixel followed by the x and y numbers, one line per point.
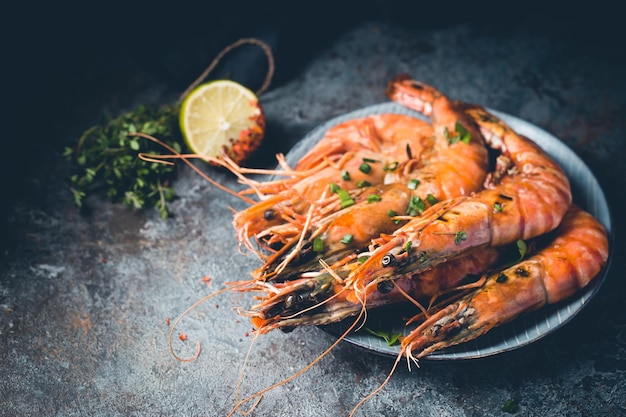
pixel 413 184
pixel 346 239
pixel 416 206
pixel 431 199
pixel 345 198
pixel 460 134
pixel 522 248
pixel 372 198
pixel 318 245
pixel 392 166
pixel 365 168
pixel 459 237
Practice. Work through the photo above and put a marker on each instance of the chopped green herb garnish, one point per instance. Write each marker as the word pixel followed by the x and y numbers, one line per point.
pixel 392 166
pixel 345 175
pixel 365 168
pixel 413 184
pixel 372 198
pixel 408 245
pixel 363 183
pixel 423 257
pixel 522 248
pixel 346 239
pixel 318 244
pixel 431 199
pixel 459 237
pixel 333 188
pixel 344 198
pixel 416 206
pixel 362 259
pixel 497 207
pixel 390 338
pixel 463 132
pixel 369 160
pixel 460 134
pixel 392 213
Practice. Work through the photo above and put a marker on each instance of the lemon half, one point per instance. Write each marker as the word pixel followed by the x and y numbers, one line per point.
pixel 222 117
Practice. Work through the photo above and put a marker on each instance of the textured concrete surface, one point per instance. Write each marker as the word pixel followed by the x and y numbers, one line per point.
pixel 84 298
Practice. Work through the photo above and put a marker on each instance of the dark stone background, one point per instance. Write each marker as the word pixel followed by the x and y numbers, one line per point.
pixel 83 297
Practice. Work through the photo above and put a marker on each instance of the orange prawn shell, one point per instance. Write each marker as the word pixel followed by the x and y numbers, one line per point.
pixel 577 252
pixel 387 135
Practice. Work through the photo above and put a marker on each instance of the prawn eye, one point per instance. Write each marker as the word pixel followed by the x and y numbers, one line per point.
pixel 269 214
pixel 384 287
pixel 387 260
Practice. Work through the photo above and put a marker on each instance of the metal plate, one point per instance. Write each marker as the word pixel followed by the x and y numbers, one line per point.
pixel 522 331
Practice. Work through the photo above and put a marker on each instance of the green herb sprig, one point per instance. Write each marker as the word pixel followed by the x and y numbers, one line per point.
pixel 522 249
pixel 459 237
pixel 390 337
pixel 105 159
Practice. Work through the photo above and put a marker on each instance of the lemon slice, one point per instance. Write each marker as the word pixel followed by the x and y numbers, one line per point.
pixel 222 117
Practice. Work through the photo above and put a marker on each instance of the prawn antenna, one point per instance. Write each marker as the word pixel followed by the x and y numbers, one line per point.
pixel 181 316
pixel 258 395
pixel 186 159
pixel 380 387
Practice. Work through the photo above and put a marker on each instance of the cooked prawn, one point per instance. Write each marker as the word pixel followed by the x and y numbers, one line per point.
pixel 525 197
pixel 337 158
pixel 450 168
pixel 575 255
pixel 321 300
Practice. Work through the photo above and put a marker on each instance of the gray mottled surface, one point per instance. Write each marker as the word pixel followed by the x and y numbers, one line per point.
pixel 84 298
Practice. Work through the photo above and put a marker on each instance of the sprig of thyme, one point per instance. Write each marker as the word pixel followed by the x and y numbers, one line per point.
pixel 105 159
pixel 459 236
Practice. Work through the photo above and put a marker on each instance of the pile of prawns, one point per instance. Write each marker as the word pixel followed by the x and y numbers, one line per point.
pixel 390 209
